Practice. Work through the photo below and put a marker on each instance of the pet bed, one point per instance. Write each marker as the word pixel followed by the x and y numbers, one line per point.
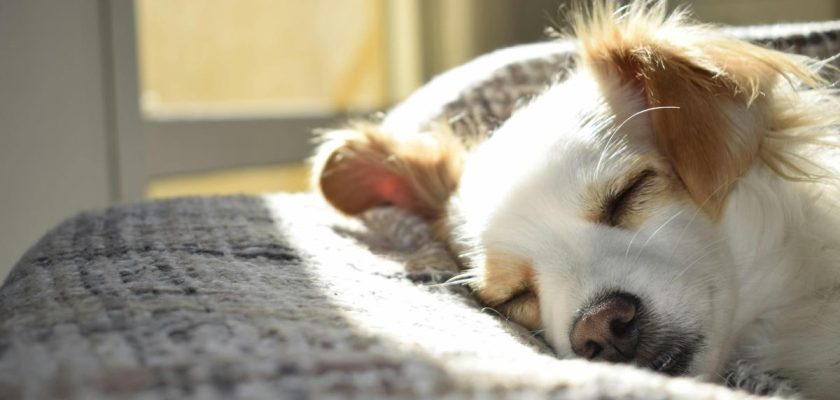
pixel 278 296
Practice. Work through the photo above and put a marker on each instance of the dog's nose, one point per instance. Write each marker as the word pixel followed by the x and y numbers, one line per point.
pixel 607 330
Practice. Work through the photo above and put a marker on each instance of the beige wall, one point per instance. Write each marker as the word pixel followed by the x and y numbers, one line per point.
pixel 53 141
pixel 261 57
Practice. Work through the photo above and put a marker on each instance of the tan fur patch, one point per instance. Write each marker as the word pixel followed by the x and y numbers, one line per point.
pixel 508 284
pixel 627 200
pixel 362 167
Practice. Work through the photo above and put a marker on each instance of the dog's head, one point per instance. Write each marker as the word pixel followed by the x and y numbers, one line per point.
pixel 595 211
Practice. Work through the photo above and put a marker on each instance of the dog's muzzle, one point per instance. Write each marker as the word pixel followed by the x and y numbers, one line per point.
pixel 615 328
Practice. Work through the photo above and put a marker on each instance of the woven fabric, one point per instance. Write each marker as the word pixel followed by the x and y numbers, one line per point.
pixel 274 297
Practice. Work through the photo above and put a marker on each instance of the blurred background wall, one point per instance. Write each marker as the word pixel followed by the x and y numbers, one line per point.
pixel 104 102
pixel 56 150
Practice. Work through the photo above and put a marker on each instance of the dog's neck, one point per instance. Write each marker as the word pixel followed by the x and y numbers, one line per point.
pixel 780 236
pixel 786 248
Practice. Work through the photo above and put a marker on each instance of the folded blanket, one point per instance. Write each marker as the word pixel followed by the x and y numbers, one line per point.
pixel 272 297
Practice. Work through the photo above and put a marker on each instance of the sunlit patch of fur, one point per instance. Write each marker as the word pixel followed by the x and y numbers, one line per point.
pixel 361 167
pixel 806 128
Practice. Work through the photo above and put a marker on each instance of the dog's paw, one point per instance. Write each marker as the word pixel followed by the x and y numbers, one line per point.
pixel 745 376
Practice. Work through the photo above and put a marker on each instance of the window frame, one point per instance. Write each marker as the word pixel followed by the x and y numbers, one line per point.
pixel 145 148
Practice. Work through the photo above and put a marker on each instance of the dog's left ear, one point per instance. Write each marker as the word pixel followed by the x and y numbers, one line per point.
pixel 361 167
pixel 717 89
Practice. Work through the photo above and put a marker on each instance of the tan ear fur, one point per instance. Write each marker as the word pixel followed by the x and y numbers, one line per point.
pixel 720 85
pixel 362 167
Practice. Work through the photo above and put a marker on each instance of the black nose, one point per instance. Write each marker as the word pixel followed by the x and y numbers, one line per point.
pixel 607 329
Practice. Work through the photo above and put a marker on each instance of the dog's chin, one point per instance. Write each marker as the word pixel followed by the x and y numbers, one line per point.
pixel 675 359
pixel 670 350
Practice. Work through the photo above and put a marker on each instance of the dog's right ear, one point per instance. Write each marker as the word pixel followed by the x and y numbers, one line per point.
pixel 362 167
pixel 714 92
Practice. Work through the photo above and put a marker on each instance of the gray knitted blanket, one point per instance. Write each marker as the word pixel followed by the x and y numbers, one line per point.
pixel 280 297
pixel 272 297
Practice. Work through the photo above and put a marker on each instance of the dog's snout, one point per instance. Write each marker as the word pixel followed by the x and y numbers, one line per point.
pixel 607 330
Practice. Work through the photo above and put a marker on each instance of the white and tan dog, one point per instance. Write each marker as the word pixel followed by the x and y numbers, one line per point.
pixel 671 204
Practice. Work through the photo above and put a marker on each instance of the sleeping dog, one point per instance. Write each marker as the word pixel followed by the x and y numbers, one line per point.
pixel 671 204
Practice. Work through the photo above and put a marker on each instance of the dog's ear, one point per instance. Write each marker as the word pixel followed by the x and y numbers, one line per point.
pixel 713 89
pixel 362 167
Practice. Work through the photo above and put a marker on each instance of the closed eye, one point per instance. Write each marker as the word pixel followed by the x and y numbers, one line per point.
pixel 522 307
pixel 517 297
pixel 629 199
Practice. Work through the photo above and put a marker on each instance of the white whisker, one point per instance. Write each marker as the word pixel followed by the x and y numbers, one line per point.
pixel 706 251
pixel 677 214
pixel 613 135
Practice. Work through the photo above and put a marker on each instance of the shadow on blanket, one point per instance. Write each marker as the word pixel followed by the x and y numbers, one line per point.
pixel 270 297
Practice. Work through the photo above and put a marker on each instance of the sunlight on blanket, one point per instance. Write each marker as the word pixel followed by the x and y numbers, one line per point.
pixel 364 278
